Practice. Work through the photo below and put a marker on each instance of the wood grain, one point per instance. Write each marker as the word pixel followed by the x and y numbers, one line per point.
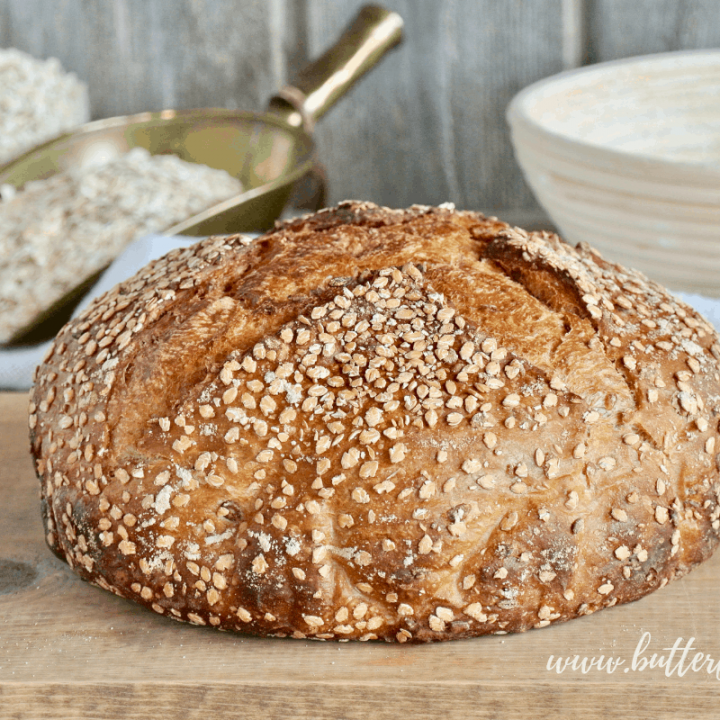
pixel 616 28
pixel 429 125
pixel 73 651
pixel 138 55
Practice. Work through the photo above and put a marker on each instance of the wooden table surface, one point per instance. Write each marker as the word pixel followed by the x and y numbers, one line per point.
pixel 69 650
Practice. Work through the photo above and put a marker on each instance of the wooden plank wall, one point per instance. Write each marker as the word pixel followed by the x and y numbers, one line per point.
pixel 617 28
pixel 426 127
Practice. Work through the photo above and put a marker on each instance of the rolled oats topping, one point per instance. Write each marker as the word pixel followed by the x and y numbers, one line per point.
pixel 370 424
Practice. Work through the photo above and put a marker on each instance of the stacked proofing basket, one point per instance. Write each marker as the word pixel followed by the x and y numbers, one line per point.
pixel 625 155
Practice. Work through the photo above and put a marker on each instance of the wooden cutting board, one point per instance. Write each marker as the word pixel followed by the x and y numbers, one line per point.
pixel 69 650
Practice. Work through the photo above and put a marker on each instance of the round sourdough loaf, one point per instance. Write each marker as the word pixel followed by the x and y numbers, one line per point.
pixel 369 423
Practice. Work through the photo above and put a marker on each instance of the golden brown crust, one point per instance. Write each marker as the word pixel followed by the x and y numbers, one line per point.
pixel 401 424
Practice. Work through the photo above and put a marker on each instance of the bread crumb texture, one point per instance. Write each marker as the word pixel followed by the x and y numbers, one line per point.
pixel 406 425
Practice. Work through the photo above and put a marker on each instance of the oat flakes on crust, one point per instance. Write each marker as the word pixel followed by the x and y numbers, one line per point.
pixel 408 425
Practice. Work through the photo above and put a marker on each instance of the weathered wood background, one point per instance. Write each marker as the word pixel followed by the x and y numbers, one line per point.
pixel 427 126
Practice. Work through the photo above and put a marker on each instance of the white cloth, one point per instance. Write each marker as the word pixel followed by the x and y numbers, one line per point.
pixel 18 364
